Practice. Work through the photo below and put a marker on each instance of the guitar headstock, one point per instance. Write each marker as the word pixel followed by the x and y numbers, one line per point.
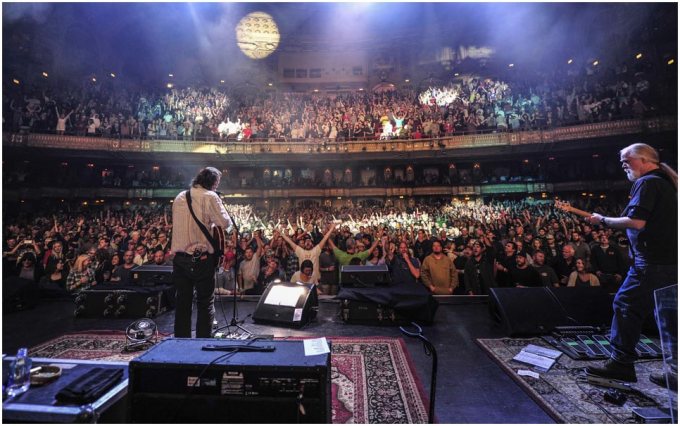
pixel 563 205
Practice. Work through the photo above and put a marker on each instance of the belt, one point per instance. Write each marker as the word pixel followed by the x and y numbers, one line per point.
pixel 184 254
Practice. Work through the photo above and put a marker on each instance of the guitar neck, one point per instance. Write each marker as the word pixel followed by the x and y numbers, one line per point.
pixel 567 208
pixel 579 212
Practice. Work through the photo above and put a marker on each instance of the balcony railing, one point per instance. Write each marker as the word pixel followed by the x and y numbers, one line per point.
pixel 326 147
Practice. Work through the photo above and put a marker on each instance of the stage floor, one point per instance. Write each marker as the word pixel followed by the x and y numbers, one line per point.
pixel 471 388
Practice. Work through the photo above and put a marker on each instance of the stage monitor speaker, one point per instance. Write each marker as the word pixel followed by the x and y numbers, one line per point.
pixel 585 305
pixel 287 304
pixel 525 311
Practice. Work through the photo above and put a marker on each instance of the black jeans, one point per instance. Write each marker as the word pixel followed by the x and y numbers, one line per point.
pixel 187 276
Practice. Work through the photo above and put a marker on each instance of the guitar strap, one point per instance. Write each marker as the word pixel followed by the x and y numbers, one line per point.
pixel 211 240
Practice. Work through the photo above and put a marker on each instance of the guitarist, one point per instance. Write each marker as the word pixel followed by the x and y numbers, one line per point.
pixel 651 222
pixel 194 261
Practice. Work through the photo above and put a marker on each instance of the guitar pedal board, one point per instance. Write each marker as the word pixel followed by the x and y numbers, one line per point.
pixel 592 343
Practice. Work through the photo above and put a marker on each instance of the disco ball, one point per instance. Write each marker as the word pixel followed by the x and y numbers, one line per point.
pixel 257 35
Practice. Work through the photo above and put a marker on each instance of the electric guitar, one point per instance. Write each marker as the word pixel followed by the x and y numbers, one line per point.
pixel 219 237
pixel 565 206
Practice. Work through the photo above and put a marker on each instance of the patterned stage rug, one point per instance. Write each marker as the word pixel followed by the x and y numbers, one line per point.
pixel 564 393
pixel 373 379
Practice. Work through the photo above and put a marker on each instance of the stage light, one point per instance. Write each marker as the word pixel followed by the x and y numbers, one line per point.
pixel 407 80
pixel 113 75
pixel 511 65
pixel 639 55
pixel 455 75
pixel 671 62
pixel 15 81
pixel 316 90
pixel 361 89
pixel 595 63
pixel 45 74
pixel 170 75
pixel 169 85
pixel 221 81
pixel 570 61
pixel 257 35
pixel 94 79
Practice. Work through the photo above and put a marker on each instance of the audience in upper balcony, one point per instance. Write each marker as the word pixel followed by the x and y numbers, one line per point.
pixel 512 103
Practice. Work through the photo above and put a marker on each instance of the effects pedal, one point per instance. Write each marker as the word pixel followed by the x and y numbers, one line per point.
pixel 603 343
pixel 615 396
pixel 591 346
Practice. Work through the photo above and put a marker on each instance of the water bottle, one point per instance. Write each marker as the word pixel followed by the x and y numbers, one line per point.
pixel 19 374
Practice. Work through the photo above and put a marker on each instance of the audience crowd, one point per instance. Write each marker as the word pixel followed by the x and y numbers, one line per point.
pixel 489 245
pixel 210 114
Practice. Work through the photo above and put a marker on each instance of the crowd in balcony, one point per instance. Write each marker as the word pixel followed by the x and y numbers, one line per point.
pixel 514 103
pixel 66 251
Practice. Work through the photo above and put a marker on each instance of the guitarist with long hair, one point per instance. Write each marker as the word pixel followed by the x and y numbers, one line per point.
pixel 651 222
pixel 196 255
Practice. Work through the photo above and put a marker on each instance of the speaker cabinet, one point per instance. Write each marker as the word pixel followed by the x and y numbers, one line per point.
pixel 524 311
pixel 585 305
pixel 287 304
pixel 177 381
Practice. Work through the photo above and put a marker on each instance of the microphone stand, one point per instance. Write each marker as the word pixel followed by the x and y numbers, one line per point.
pixel 234 319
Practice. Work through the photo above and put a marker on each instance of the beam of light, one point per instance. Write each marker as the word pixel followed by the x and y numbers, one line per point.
pixel 257 35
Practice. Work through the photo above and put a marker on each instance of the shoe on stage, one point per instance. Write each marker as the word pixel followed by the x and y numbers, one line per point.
pixel 612 369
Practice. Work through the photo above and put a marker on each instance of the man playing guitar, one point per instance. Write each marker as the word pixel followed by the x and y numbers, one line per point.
pixel 194 263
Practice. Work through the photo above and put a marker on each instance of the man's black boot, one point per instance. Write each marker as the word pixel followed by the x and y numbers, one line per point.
pixel 612 369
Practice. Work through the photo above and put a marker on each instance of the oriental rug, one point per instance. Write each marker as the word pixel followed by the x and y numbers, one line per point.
pixel 373 379
pixel 564 393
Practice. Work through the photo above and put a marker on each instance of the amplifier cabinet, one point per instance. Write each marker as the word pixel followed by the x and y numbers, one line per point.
pixel 126 302
pixel 177 381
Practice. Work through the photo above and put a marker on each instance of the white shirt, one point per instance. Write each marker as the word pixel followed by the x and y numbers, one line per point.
pixel 186 235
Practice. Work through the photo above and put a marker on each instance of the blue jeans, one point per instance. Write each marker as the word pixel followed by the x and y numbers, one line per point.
pixel 634 302
pixel 187 276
